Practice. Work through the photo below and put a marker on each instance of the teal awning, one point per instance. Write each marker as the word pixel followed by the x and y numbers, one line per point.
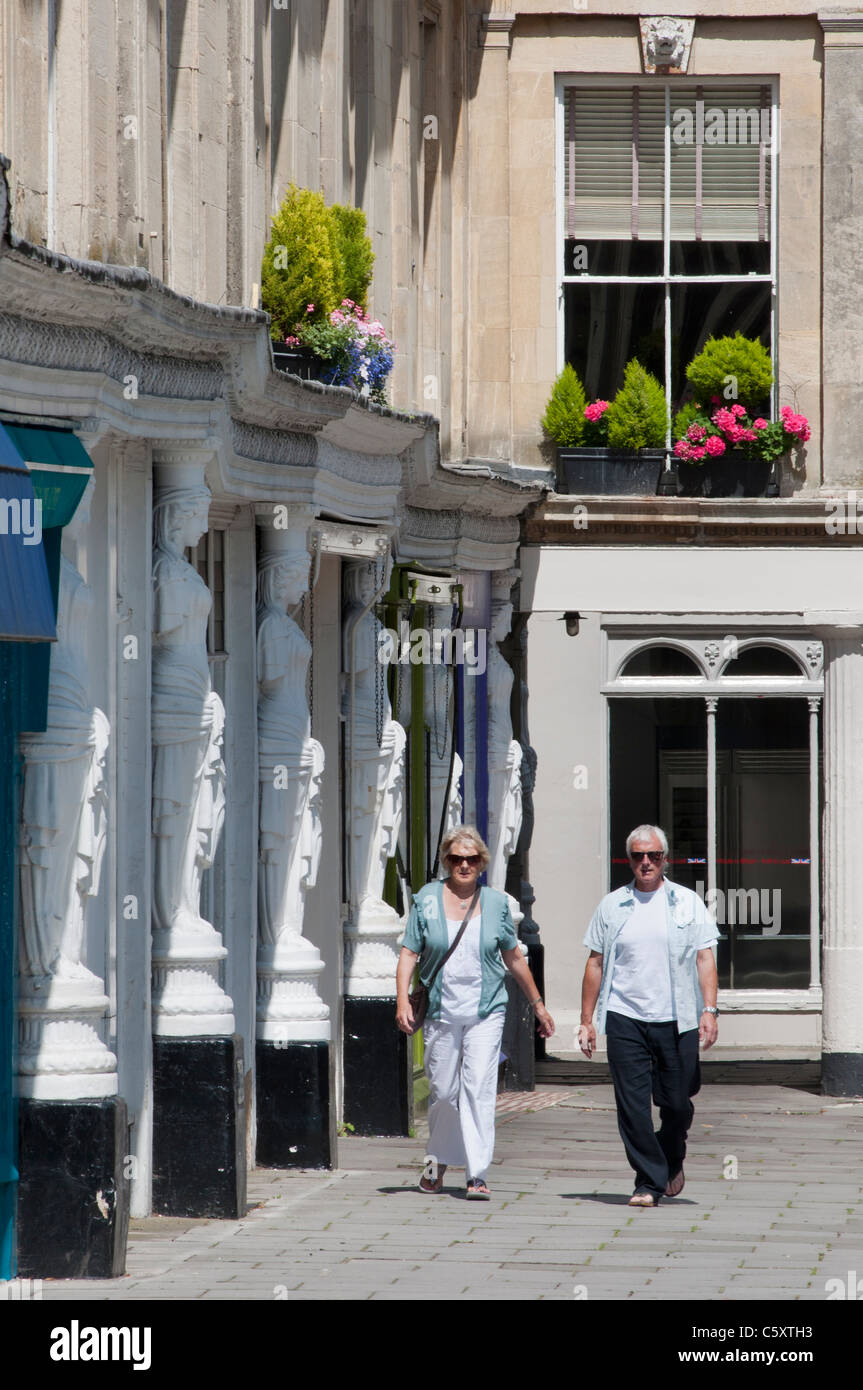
pixel 27 612
pixel 59 469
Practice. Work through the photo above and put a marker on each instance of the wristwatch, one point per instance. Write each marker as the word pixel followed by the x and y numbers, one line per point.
pixel 713 1011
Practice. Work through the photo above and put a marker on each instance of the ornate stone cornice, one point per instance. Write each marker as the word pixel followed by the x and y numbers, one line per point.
pixel 646 521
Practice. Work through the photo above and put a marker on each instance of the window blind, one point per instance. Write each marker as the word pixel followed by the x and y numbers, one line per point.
pixel 613 176
pixel 614 163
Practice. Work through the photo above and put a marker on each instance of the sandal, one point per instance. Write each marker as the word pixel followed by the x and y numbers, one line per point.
pixel 432 1188
pixel 643 1198
pixel 675 1185
pixel 477 1190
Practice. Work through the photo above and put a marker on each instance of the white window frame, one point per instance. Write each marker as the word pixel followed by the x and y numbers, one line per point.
pixel 622 638
pixel 571 79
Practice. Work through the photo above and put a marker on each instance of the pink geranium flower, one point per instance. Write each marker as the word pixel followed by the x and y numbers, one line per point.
pixel 714 446
pixel 759 424
pixel 596 411
pixel 738 409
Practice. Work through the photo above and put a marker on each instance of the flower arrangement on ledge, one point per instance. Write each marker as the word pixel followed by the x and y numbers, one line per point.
pixel 354 349
pixel 704 436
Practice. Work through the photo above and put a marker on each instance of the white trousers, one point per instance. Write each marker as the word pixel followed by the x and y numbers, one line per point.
pixel 461 1060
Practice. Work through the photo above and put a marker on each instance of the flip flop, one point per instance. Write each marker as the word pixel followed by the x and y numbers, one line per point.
pixel 675 1185
pixel 477 1191
pixel 643 1199
pixel 432 1189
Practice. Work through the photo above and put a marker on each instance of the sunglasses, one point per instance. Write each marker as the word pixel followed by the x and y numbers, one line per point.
pixel 655 856
pixel 472 859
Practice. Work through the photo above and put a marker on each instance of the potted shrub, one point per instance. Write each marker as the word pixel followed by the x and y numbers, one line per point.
pixel 608 447
pixel 318 261
pixel 726 459
pixel 730 453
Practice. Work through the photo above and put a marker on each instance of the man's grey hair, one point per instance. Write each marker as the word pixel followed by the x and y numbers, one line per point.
pixel 644 832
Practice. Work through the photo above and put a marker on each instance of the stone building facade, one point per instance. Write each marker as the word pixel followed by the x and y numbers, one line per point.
pixel 209 896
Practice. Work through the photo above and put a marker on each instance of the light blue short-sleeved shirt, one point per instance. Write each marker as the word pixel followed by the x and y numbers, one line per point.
pixel 691 928
pixel 426 935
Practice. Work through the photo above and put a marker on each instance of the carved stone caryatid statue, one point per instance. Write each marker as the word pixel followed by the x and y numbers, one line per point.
pixel 188 720
pixel 290 766
pixel 62 842
pixel 376 753
pixel 504 752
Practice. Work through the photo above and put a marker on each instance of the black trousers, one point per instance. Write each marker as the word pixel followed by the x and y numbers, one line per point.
pixel 653 1060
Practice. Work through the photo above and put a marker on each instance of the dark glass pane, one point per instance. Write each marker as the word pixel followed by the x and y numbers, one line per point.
pixel 762 906
pixel 609 257
pixel 763 661
pixel 606 325
pixel 699 312
pixel 660 661
pixel 720 257
pixel 658 776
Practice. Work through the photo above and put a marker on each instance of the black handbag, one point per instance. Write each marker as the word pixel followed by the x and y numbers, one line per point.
pixel 419 998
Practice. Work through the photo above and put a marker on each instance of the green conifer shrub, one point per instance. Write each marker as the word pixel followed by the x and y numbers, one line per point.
pixel 355 250
pixel 733 369
pixel 301 263
pixel 637 415
pixel 563 420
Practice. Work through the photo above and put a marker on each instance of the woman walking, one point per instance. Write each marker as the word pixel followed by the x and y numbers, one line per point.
pixel 467 1005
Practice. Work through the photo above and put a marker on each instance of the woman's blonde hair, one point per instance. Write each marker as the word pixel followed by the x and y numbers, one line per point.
pixel 470 834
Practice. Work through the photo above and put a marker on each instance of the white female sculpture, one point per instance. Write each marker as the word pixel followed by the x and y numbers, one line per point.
pixel 62 842
pixel 188 721
pixel 376 753
pixel 504 752
pixel 291 765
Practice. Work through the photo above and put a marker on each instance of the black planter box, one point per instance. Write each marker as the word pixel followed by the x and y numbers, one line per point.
pixel 299 362
pixel 729 475
pixel 598 471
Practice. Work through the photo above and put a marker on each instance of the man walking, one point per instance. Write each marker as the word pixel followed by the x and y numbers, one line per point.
pixel 652 970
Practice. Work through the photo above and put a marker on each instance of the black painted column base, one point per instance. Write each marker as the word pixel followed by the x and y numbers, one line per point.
pixel 536 961
pixel 199 1127
pixel 518 1072
pixel 377 1068
pixel 842 1073
pixel 294 1086
pixel 73 1196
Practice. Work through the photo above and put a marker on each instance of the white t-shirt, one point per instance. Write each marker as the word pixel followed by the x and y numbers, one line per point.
pixel 641 982
pixel 462 974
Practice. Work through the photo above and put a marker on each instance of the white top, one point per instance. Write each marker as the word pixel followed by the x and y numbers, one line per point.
pixel 462 974
pixel 641 982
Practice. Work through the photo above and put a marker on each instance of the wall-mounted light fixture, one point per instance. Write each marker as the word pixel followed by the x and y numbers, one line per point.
pixel 572 621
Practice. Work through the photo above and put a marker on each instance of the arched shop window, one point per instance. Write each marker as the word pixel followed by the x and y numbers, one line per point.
pixel 660 661
pixel 763 661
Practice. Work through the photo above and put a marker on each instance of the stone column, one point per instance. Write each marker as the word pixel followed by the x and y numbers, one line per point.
pixel 842 1027
pixel 293 1023
pixel 842 245
pixel 488 193
pixel 376 1060
pixel 72 1126
pixel 198 1159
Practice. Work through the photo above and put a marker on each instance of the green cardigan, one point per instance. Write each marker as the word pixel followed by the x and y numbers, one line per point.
pixel 426 935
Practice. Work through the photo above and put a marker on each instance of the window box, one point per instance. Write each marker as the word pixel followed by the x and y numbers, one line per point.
pixel 729 475
pixel 300 362
pixel 597 471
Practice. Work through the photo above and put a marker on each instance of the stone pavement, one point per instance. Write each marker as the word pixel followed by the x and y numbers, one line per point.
pixel 771 1210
